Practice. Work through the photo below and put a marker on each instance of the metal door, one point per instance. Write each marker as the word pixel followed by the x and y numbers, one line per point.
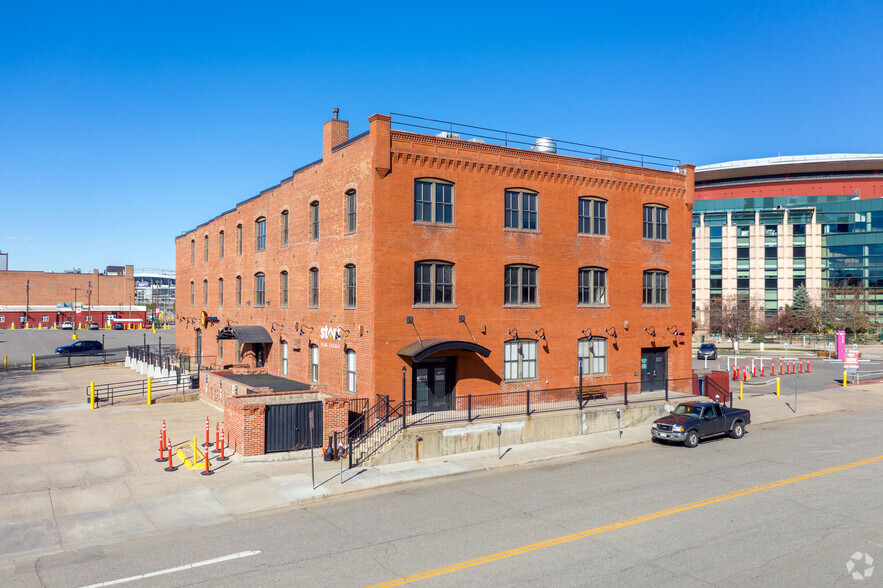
pixel 654 369
pixel 288 427
pixel 434 386
pixel 198 347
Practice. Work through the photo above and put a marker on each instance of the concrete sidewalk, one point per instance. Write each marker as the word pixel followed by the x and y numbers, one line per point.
pixel 74 478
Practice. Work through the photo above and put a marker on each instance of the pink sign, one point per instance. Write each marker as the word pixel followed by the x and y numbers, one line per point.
pixel 850 361
pixel 841 344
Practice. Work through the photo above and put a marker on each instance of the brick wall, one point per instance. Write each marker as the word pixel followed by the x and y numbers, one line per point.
pixel 245 425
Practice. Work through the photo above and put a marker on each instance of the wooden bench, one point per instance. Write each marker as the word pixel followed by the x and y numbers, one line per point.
pixel 592 393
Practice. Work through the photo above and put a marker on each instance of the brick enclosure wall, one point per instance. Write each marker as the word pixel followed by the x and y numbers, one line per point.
pixel 382 166
pixel 245 425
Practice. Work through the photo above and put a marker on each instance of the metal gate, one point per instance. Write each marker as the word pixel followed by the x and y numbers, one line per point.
pixel 288 426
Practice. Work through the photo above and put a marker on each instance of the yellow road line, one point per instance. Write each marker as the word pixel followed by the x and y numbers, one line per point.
pixel 621 524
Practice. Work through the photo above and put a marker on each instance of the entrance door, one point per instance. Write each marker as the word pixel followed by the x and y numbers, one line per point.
pixel 434 385
pixel 654 369
pixel 198 347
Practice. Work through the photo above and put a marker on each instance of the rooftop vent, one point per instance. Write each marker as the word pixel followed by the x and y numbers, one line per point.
pixel 545 145
pixel 448 135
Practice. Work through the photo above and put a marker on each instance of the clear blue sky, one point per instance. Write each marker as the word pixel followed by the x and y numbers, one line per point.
pixel 122 126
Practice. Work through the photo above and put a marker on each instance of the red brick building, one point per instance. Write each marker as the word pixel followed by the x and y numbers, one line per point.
pixel 44 299
pixel 464 266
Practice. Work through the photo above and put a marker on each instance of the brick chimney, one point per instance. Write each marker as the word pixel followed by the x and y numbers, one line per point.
pixel 334 132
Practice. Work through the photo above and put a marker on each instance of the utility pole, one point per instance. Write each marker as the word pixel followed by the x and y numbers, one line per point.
pixel 28 303
pixel 89 292
pixel 74 309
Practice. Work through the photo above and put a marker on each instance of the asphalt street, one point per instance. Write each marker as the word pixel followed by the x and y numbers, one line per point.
pixel 19 344
pixel 635 516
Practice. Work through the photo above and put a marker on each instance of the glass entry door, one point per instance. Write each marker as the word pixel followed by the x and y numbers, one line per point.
pixel 434 386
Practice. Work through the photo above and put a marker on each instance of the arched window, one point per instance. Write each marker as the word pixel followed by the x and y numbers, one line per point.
pixel 192 251
pixel 284 358
pixel 592 216
pixel 351 371
pixel 351 211
pixel 655 288
pixel 239 239
pixel 520 284
pixel 314 221
pixel 221 245
pixel 433 201
pixel 205 292
pixel 314 287
pixel 284 228
pixel 238 290
pixel 433 282
pixel 205 247
pixel 521 209
pixel 655 221
pixel 260 234
pixel 220 291
pixel 592 285
pixel 519 359
pixel 259 289
pixel 192 293
pixel 283 289
pixel 592 354
pixel 349 277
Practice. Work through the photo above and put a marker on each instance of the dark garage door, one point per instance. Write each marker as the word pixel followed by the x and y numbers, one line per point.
pixel 288 426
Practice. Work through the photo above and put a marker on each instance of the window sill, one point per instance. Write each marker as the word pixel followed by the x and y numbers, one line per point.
pixel 656 240
pixel 597 236
pixel 433 306
pixel 522 306
pixel 431 224
pixel 521 380
pixel 515 230
pixel 593 305
pixel 656 306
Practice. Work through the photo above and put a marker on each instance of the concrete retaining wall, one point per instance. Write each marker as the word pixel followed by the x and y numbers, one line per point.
pixel 438 441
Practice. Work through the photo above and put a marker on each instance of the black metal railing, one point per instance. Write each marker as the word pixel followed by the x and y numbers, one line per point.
pixel 386 420
pixel 137 389
pixel 455 130
pixel 55 361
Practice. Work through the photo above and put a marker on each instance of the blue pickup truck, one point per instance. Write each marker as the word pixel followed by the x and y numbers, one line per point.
pixel 691 421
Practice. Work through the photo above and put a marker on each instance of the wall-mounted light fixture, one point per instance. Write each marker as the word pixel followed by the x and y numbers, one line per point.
pixel 515 336
pixel 273 326
pixel 611 331
pixel 672 329
pixel 589 336
pixel 650 331
pixel 541 335
pixel 248 302
pixel 303 329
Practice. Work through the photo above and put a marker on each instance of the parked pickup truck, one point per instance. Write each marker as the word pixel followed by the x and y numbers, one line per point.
pixel 691 421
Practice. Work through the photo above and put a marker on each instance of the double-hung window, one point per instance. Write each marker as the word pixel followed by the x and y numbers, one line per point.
pixel 351 211
pixel 519 359
pixel 520 284
pixel 221 245
pixel 205 247
pixel 592 353
pixel 592 216
pixel 260 232
pixel 314 287
pixel 238 239
pixel 220 291
pixel 314 221
pixel 655 288
pixel 283 289
pixel 314 363
pixel 521 209
pixel 433 282
pixel 284 228
pixel 192 251
pixel 433 201
pixel 192 291
pixel 349 298
pixel 592 285
pixel 205 292
pixel 655 222
pixel 350 371
pixel 238 290
pixel 260 285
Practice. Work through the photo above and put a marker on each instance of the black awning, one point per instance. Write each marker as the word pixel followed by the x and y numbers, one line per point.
pixel 245 334
pixel 422 349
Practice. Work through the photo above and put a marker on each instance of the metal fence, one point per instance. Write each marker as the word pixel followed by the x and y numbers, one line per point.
pixel 385 419
pixel 136 390
pixel 56 361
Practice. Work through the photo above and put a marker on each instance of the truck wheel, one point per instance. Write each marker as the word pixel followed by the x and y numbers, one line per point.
pixel 692 439
pixel 738 430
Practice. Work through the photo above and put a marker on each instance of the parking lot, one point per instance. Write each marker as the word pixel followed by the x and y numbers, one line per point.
pixel 18 344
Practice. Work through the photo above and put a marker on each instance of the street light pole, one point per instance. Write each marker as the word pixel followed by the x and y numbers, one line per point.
pixel 89 292
pixel 28 303
pixel 74 309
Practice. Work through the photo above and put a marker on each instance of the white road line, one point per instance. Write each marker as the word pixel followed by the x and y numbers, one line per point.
pixel 189 566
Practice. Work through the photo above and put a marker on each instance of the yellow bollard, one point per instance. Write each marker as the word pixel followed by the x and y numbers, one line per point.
pixel 13 326
pixel 149 390
pixel 844 378
pixel 74 336
pixel 740 390
pixel 777 386
pixel 34 364
pixel 92 396
pixel 4 362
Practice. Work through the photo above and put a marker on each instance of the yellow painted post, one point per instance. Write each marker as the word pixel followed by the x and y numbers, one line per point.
pixel 844 378
pixel 740 390
pixel 92 396
pixel 194 450
pixel 149 390
pixel 777 386
pixel 4 362
pixel 74 336
pixel 34 366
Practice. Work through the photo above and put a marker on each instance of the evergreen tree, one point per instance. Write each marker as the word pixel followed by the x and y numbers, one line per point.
pixel 801 303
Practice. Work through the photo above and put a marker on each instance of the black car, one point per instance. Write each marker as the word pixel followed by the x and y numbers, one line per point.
pixel 707 351
pixel 80 348
pixel 118 326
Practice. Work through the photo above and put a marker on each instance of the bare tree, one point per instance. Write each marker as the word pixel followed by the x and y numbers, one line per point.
pixel 733 316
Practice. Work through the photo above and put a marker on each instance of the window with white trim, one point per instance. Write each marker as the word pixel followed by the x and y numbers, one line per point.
pixel 285 358
pixel 351 371
pixel 592 354
pixel 314 363
pixel 519 359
